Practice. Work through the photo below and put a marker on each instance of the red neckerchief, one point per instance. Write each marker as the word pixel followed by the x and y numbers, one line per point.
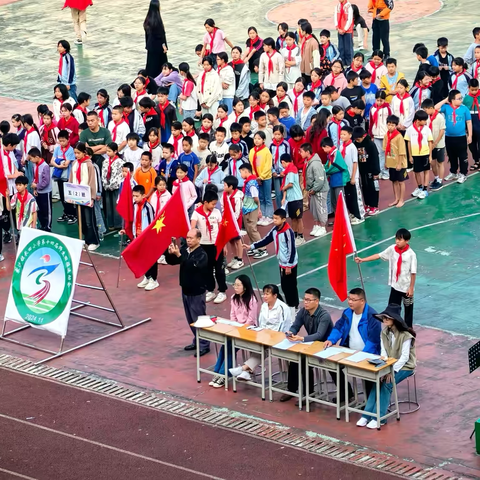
pixel 432 118
pixel 177 182
pixel 402 108
pixel 184 86
pixel 150 113
pixel 339 126
pixel 435 80
pixel 331 155
pixel 201 212
pixel 377 109
pixel 205 130
pixel 60 63
pixel 101 114
pixel 270 62
pixel 237 62
pixel 356 69
pixel 291 168
pixel 176 139
pixel 212 38
pixel 143 92
pixel 283 229
pixel 220 68
pixel 79 169
pixel 151 145
pixel 344 148
pixel 23 202
pixel 46 131
pixel 109 169
pixel 454 114
pixel 223 120
pixel 334 77
pixel 252 42
pixel 420 136
pixel 295 103
pixel 64 152
pixel 236 141
pixel 157 208
pixel 325 48
pixel 10 163
pixel 421 89
pixel 114 130
pixel 191 133
pixel 304 171
pixel 138 217
pixel 25 139
pixel 350 112
pixel 230 198
pixel 82 109
pixel 305 38
pixel 210 173
pixel 290 49
pixel 341 16
pixel 253 110
pixel 315 85
pixel 277 152
pixel 400 251
pixel 147 81
pixel 125 117
pixel 281 99
pixel 263 106
pixel 234 160
pixel 476 66
pixel 254 160
pixel 248 179
pixel 37 166
pixel 475 102
pixel 390 137
pixel 161 109
pixel 204 76
pixel 457 76
pixel 375 68
pixel 281 41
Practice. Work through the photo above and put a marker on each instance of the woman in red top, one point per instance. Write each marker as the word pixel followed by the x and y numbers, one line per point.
pixel 69 123
pixel 317 132
pixel 78 9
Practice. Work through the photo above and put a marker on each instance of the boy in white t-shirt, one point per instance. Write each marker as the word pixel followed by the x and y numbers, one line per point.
pixel 132 152
pixel 402 268
pixel 207 218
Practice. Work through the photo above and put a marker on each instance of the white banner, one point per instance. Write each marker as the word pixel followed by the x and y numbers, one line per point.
pixel 43 280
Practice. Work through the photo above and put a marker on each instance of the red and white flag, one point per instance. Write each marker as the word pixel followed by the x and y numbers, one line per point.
pixel 228 229
pixel 343 244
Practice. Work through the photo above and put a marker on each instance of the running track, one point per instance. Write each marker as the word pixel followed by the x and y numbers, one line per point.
pixel 51 430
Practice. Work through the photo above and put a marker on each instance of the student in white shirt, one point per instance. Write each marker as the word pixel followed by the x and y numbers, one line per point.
pixel 292 57
pixel 209 88
pixel 119 128
pixel 402 105
pixel 160 196
pixel 61 96
pixel 132 152
pixel 219 147
pixel 271 69
pixel 154 146
pixel 227 79
pixel 188 97
pixel 223 120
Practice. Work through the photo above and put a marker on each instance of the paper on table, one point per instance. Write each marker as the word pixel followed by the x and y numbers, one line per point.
pixel 346 350
pixel 285 344
pixel 359 356
pixel 229 322
pixel 329 352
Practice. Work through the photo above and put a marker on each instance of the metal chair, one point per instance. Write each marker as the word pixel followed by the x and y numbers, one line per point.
pixel 414 402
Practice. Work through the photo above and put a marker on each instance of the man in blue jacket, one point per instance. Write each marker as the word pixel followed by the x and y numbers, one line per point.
pixel 357 329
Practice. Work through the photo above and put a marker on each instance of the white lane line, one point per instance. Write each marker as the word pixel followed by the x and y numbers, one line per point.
pixel 15 474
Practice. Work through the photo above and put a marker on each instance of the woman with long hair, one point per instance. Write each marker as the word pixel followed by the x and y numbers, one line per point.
pixel 155 40
pixel 243 309
pixel 318 131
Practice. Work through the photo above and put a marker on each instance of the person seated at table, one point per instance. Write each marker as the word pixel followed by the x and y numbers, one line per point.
pixel 243 309
pixel 318 325
pixel 397 341
pixel 275 315
pixel 357 329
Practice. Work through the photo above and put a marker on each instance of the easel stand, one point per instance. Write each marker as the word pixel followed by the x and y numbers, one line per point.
pixel 119 325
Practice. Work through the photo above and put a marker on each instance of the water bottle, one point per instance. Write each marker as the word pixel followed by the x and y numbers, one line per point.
pixel 377 185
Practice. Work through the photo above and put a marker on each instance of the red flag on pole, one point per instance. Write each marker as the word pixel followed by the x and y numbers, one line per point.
pixel 125 206
pixel 146 249
pixel 343 244
pixel 3 177
pixel 228 229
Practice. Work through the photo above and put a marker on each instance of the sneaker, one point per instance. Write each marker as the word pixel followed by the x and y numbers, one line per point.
pixel 374 211
pixel 236 371
pixel 7 237
pixel 214 380
pixel 268 221
pixel 210 296
pixel 299 241
pixel 384 176
pixel 261 221
pixel 232 263
pixel 436 185
pixel 2 258
pixel 314 230
pixel 261 254
pixel 63 218
pixel 243 233
pixel 357 221
pixel 92 247
pixel 220 298
pixel 409 170
pixel 362 422
pixel 238 264
pixel 245 376
pixel 373 424
pixel 78 41
pixel 461 178
pixel 143 283
pixel 367 210
pixel 416 192
pixel 227 271
pixel 321 231
pixel 72 220
pixel 451 176
pixel 422 194
pixel 162 260
pixel 219 383
pixel 252 253
pixel 152 285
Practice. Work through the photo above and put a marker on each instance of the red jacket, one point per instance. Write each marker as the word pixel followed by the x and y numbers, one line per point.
pixel 78 4
pixel 71 128
pixel 344 17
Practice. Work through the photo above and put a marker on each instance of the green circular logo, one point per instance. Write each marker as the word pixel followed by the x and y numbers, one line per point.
pixel 42 280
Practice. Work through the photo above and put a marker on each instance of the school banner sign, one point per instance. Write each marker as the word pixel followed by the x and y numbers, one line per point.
pixel 43 280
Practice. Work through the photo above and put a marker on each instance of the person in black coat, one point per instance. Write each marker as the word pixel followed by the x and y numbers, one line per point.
pixel 155 40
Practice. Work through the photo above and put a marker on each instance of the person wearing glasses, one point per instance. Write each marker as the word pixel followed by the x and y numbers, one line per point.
pixel 318 325
pixel 357 329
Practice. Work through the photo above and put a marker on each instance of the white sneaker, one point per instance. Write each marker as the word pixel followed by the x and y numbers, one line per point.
pixel 152 285
pixel 238 264
pixel 372 424
pixel 210 296
pixel 2 258
pixel 451 176
pixel 221 297
pixel 232 263
pixel 214 379
pixel 244 376
pixel 236 371
pixel 92 247
pixel 143 283
pixel 314 230
pixel 227 271
pixel 219 383
pixel 384 176
pixel 356 221
pixel 261 221
pixel 243 233
pixel 321 231
pixel 268 221
pixel 461 178
pixel 416 192
pixel 422 194
pixel 162 260
pixel 362 422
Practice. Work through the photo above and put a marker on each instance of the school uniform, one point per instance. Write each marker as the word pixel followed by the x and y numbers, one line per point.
pixel 344 21
pixel 168 170
pixel 353 193
pixel 214 176
pixel 66 73
pixel 167 115
pixel 57 105
pixel 304 117
pixel 156 150
pixel 475 70
pixel 419 139
pixel 225 123
pixel 271 70
pixel 242 144
pixel 143 216
pixel 331 52
pixel 43 181
pixel 227 76
pixel 395 152
pixel 189 105
pixel 292 54
pixel 159 200
pixel 135 122
pixel 369 167
pixel 294 194
pixel 221 151
pixel 377 72
pixel 61 176
pixel 233 168
pixel 378 129
pixel 339 82
pixel 459 81
pixel 80 114
pixel 403 108
pixel 112 178
pixel 104 114
pixel 133 156
pixel 23 207
pixel 151 120
pixel 209 91
pixel 277 150
pixel 333 130
pixel 242 79
pixel 250 208
pixel 420 93
pixel 445 61
pixel 31 140
pixel 119 132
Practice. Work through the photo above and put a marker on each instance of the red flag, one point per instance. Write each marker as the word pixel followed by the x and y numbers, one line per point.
pixel 342 245
pixel 125 206
pixel 228 229
pixel 145 250
pixel 3 177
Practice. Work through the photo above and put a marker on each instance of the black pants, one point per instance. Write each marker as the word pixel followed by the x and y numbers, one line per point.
pixel 216 269
pixel 5 216
pixel 194 306
pixel 289 286
pixel 68 208
pixel 44 203
pixel 381 33
pixel 370 194
pixel 457 154
pixel 399 297
pixel 112 218
pixel 345 47
pixel 152 272
pixel 475 146
pixel 292 384
pixel 89 226
pixel 351 199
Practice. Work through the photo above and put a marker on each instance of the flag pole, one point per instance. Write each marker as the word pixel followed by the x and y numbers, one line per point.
pixel 120 260
pixel 355 254
pixel 251 268
pixel 12 224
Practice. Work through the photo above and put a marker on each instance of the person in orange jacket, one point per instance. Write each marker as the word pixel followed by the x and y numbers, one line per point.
pixel 380 9
pixel 78 9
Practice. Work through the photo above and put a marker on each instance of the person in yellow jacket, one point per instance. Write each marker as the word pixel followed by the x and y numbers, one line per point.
pixel 380 10
pixel 388 82
pixel 261 159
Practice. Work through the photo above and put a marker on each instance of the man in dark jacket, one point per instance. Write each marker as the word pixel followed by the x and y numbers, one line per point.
pixel 318 324
pixel 193 263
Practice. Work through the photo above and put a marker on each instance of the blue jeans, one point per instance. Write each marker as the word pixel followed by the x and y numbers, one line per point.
pixel 265 192
pixel 229 103
pixel 277 184
pixel 173 93
pixel 220 365
pixel 188 114
pixel 73 92
pixel 385 393
pixel 345 47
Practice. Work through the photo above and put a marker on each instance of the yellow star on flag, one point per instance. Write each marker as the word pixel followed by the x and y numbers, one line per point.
pixel 225 223
pixel 159 224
